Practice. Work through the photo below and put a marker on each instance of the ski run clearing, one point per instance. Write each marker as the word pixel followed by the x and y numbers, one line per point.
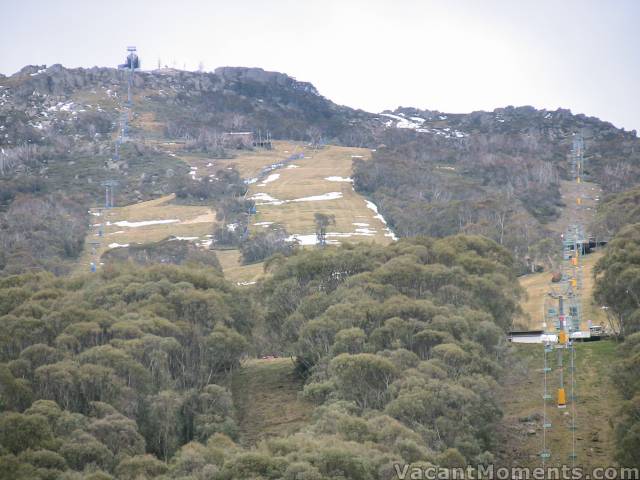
pixel 318 182
pixel 146 222
pixel 285 193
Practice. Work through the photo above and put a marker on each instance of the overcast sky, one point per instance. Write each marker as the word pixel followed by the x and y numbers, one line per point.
pixel 453 55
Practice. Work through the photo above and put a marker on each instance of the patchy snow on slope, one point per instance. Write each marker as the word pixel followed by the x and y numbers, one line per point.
pixel 293 166
pixel 360 232
pixel 391 235
pixel 144 223
pixel 374 207
pixel 403 122
pixel 266 199
pixel 271 178
pixel 184 238
pixel 61 107
pixel 445 132
pixel 250 181
pixel 418 124
pixel 339 179
pixel 312 239
pixel 244 284
pixel 319 198
pixel 303 239
pixel 360 224
pixel 118 245
pixel 263 224
pixel 369 232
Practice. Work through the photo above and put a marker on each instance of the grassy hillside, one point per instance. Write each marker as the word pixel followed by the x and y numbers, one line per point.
pixel 572 213
pixel 234 270
pixel 135 224
pixel 278 199
pixel 266 397
pixel 536 285
pixel 318 172
pixel 520 432
pixel 302 187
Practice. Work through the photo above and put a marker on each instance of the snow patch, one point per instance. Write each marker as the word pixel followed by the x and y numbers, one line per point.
pixel 365 231
pixel 271 178
pixel 318 198
pixel 374 207
pixel 266 199
pixel 144 223
pixel 303 239
pixel 402 121
pixel 118 245
pixel 339 179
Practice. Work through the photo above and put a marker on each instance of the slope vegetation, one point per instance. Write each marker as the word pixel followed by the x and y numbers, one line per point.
pixel 266 394
pixel 145 222
pixel 520 432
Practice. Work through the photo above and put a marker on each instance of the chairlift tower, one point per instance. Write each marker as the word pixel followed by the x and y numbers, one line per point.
pixel 109 192
pixel 93 266
pixel 131 64
pixel 563 309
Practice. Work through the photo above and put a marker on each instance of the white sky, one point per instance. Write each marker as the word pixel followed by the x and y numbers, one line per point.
pixel 453 56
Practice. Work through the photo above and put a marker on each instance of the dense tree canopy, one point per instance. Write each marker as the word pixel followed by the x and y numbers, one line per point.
pixel 123 374
pixel 617 287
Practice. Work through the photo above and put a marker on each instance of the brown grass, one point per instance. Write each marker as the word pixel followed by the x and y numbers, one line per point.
pixel 520 432
pixel 306 180
pixel 573 213
pixel 310 180
pixel 537 286
pixel 265 393
pixel 235 271
pixel 195 221
pixel 248 163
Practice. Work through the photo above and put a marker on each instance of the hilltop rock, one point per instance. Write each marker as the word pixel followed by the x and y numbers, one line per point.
pixel 243 74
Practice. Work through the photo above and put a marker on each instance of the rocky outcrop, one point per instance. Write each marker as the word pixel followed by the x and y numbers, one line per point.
pixel 243 74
